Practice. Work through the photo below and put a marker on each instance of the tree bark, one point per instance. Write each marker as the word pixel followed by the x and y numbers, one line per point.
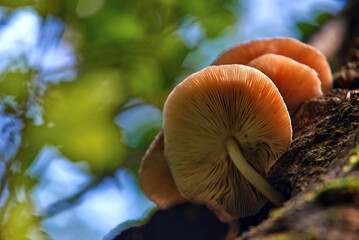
pixel 316 173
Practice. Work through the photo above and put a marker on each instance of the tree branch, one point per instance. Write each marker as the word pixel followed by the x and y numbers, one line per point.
pixel 74 199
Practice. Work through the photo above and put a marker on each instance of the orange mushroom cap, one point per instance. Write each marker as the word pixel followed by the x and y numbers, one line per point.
pixel 295 81
pixel 155 177
pixel 243 53
pixel 201 113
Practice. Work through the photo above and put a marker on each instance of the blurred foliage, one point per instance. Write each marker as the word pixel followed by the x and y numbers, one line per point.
pixel 15 84
pixel 309 28
pixel 78 118
pixel 86 131
pixel 125 50
pixel 21 223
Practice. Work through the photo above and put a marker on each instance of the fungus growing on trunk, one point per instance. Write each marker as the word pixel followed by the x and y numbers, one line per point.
pixel 295 81
pixel 303 53
pixel 224 127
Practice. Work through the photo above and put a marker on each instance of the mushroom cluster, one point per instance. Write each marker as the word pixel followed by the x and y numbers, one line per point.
pixel 226 126
pixel 299 71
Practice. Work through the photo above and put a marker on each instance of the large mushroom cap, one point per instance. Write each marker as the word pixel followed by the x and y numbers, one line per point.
pixel 245 52
pixel 295 81
pixel 210 106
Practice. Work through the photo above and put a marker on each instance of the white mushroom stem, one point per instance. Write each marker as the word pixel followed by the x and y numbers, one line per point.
pixel 257 180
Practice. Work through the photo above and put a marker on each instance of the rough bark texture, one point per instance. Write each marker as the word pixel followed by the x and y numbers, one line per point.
pixel 322 184
pixel 325 130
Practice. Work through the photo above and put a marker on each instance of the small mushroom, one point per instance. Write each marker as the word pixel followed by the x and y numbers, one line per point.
pixel 245 52
pixel 155 177
pixel 295 81
pixel 224 127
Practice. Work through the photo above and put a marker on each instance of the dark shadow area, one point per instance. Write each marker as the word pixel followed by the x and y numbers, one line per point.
pixel 186 221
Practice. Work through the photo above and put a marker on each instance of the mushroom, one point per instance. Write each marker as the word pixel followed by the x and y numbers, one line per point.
pixel 245 52
pixel 295 81
pixel 155 177
pixel 224 127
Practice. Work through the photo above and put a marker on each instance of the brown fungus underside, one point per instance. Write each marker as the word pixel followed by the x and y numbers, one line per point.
pixel 205 110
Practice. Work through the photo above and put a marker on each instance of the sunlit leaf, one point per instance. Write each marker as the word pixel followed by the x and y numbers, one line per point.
pixel 20 223
pixel 79 118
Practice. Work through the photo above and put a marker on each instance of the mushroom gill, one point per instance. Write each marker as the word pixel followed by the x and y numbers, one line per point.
pixel 206 117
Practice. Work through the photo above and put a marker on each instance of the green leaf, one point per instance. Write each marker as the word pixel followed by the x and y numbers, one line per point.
pixel 16 4
pixel 86 8
pixel 217 21
pixel 307 30
pixel 15 84
pixel 79 118
pixel 123 27
pixel 144 78
pixel 323 18
pixel 21 223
